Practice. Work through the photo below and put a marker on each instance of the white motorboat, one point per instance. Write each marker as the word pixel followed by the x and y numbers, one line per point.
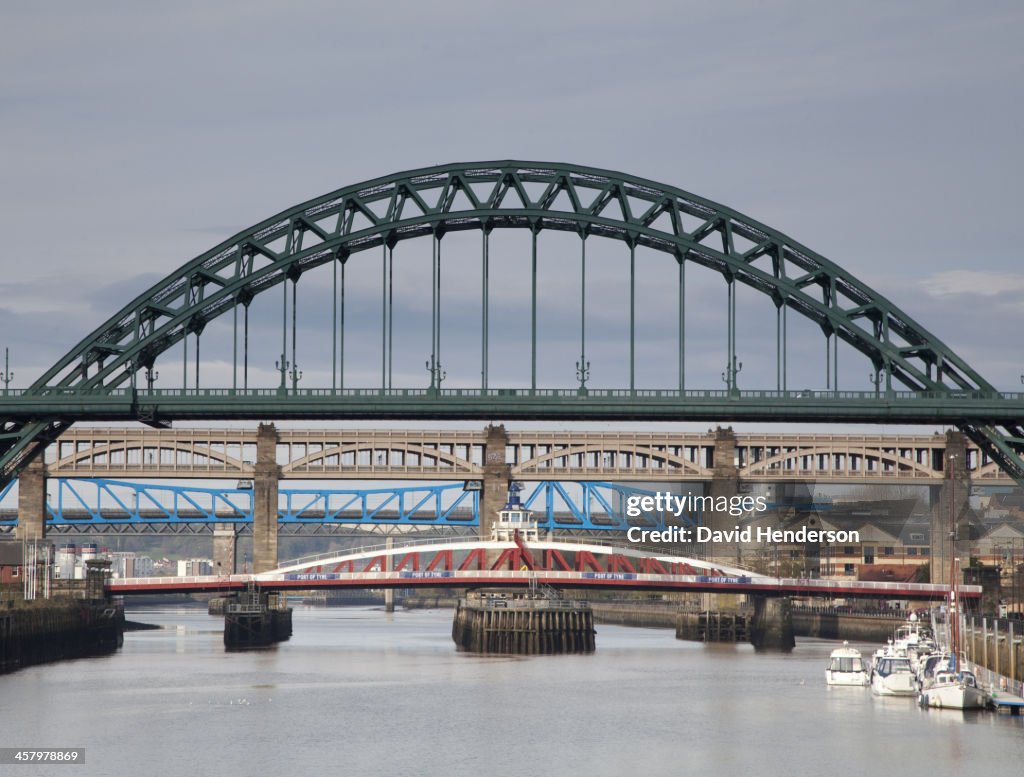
pixel 845 667
pixel 892 676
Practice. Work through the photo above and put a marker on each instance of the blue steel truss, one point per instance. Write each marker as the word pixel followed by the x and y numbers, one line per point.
pixel 94 502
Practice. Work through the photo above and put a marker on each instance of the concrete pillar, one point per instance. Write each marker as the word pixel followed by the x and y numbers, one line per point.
pixel 264 497
pixel 32 501
pixel 389 566
pixel 497 474
pixel 772 624
pixel 724 483
pixel 225 546
pixel 953 505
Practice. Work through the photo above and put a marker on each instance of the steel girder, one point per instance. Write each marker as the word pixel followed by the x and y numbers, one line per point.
pixel 84 504
pixel 487 196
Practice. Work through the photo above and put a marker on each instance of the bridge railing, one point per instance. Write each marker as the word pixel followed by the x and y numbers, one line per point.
pixel 515 393
pixel 897 590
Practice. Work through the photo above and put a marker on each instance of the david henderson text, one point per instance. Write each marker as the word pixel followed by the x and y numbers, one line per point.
pixel 736 534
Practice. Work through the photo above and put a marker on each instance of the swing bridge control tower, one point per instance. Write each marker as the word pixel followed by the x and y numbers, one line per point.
pixel 514 520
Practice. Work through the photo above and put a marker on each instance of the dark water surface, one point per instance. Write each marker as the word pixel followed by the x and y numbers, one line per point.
pixel 359 692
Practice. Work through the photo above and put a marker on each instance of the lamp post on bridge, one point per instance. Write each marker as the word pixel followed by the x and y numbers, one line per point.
pixel 288 372
pixel 437 375
pixel 8 376
pixel 730 373
pixel 583 373
pixel 876 380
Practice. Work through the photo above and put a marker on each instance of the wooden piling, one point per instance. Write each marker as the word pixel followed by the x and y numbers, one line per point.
pixel 523 625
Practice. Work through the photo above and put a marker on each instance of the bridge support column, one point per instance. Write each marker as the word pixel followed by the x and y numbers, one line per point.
pixel 264 497
pixel 953 504
pixel 772 625
pixel 724 483
pixel 497 474
pixel 389 566
pixel 225 545
pixel 32 501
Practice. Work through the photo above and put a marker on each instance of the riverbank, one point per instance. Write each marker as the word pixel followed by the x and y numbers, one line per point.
pixel 56 629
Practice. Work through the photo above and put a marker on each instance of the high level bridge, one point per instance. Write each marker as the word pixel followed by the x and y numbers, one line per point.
pixel 222 336
pixel 392 454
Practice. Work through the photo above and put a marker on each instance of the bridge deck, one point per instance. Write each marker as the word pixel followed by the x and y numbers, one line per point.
pixel 621 581
pixel 463 564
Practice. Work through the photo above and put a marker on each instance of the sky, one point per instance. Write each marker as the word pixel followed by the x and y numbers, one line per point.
pixel 884 136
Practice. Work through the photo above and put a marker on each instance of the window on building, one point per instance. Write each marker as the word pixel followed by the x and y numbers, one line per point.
pixel 911 551
pixel 848 550
pixel 888 550
pixel 925 551
pixel 848 570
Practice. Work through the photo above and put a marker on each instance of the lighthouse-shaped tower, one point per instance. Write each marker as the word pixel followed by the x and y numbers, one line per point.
pixel 513 518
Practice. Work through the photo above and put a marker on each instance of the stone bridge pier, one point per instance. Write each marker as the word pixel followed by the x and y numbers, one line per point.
pixel 771 628
pixel 497 474
pixel 725 482
pixel 32 502
pixel 265 500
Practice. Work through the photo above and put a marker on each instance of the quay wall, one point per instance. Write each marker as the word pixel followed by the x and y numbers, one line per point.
pixel 806 623
pixel 997 645
pixel 653 615
pixel 846 626
pixel 52 630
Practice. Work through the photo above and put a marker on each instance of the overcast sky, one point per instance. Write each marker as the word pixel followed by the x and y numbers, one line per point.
pixel 885 136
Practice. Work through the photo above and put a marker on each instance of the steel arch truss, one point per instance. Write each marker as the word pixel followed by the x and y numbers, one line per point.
pixel 507 194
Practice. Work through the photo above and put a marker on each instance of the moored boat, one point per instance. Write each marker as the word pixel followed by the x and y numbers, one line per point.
pixel 845 667
pixel 953 686
pixel 955 689
pixel 892 676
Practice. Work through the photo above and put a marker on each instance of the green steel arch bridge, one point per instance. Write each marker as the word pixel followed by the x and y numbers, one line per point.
pixel 112 374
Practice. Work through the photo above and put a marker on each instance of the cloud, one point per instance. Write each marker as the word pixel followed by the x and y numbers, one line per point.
pixel 984 283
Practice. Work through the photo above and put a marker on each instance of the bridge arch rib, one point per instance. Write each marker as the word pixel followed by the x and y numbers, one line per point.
pixel 432 201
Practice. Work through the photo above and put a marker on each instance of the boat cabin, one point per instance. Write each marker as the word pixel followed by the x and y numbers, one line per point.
pixel 514 519
pixel 888 665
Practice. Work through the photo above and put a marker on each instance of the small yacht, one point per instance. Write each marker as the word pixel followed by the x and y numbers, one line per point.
pixel 845 667
pixel 953 687
pixel 893 676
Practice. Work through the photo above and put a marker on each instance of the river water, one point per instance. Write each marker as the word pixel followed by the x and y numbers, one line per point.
pixel 360 692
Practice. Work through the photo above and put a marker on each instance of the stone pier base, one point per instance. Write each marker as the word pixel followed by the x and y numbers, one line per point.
pixel 256 620
pixel 771 627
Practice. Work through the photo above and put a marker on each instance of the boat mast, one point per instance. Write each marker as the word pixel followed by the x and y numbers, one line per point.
pixel 954 599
